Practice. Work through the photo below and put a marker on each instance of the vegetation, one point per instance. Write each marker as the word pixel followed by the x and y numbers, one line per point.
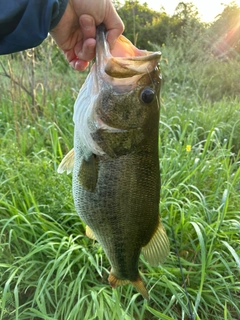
pixel 48 269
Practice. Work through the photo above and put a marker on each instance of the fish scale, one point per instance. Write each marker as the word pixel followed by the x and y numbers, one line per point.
pixel 116 176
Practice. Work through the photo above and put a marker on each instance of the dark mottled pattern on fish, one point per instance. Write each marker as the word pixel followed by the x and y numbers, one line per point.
pixel 116 177
pixel 122 209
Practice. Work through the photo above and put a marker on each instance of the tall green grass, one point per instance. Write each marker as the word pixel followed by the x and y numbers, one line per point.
pixel 50 270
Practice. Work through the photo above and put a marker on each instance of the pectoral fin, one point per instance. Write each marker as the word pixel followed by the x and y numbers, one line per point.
pixel 90 234
pixel 67 163
pixel 157 249
pixel 88 172
pixel 117 143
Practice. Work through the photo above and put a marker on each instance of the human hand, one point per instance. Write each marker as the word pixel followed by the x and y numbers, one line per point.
pixel 75 33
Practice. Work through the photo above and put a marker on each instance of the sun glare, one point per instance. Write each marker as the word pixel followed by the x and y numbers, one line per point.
pixel 208 10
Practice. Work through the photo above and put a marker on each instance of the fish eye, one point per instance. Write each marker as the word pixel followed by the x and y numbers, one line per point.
pixel 147 95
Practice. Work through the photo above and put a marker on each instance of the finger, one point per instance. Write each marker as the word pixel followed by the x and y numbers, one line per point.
pixel 85 50
pixel 74 61
pixel 69 55
pixel 114 25
pixel 88 27
pixel 112 36
pixel 79 65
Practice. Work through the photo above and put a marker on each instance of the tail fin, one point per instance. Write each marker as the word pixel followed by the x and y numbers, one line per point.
pixel 138 284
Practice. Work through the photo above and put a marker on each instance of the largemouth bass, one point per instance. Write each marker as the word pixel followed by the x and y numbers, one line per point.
pixel 116 178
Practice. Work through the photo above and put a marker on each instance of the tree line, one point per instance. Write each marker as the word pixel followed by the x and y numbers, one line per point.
pixel 146 27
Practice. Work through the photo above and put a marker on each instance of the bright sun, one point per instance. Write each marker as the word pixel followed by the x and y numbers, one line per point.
pixel 208 9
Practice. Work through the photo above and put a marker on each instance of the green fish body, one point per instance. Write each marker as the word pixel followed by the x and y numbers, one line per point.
pixel 116 177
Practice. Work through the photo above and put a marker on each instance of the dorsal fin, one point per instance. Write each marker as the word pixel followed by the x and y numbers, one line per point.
pixel 157 249
pixel 67 163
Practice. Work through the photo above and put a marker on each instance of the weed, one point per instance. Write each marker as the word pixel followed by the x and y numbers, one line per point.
pixel 50 270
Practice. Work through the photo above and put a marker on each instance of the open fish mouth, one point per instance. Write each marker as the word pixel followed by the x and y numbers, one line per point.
pixel 124 61
pixel 115 74
pixel 116 176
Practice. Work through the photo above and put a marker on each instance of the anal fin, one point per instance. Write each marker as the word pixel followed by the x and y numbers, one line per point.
pixel 157 249
pixel 67 163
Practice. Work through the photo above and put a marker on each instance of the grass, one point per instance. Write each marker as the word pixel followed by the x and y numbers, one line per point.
pixel 50 270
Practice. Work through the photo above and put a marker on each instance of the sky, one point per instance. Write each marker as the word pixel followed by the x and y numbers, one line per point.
pixel 208 9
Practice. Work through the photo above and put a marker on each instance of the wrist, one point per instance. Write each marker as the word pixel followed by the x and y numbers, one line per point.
pixel 59 8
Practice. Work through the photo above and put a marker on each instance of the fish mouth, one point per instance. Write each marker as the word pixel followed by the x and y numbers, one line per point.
pixel 125 61
pixel 119 71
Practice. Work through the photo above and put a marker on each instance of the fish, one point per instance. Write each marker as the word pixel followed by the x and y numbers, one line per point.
pixel 115 160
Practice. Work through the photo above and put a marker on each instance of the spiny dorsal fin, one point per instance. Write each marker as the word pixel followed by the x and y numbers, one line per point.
pixel 67 163
pixel 90 234
pixel 157 249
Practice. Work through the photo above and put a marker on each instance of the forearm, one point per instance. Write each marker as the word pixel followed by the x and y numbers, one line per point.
pixel 25 23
